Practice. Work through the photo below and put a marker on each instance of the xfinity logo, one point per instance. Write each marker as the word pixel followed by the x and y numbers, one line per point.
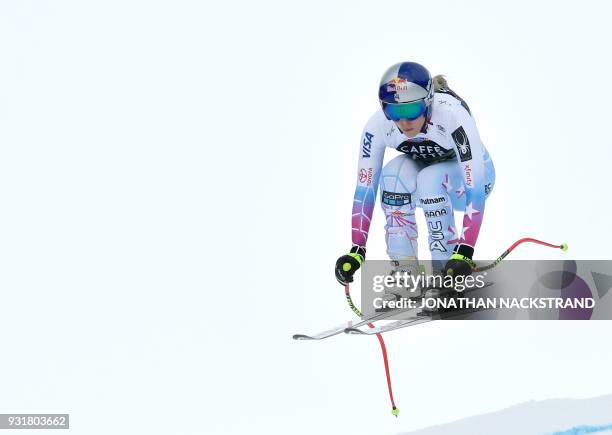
pixel 436 200
pixel 467 171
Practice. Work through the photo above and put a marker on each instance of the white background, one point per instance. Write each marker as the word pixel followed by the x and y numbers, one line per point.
pixel 176 180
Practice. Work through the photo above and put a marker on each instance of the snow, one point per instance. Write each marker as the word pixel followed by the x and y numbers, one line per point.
pixel 555 416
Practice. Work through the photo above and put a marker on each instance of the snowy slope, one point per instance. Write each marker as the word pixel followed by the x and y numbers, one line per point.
pixel 556 416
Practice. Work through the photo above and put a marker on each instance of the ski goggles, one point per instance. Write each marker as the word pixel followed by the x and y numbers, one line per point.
pixel 408 111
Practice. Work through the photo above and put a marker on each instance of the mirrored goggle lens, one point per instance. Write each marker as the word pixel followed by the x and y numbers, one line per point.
pixel 405 111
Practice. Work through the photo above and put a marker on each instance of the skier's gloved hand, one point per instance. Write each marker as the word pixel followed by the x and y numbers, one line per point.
pixel 460 263
pixel 347 265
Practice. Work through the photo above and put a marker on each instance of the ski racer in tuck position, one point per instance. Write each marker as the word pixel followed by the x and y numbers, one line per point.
pixel 444 166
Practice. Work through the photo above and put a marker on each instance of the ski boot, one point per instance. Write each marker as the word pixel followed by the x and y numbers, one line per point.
pixel 402 270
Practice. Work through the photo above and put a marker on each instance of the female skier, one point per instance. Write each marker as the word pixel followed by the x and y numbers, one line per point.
pixel 443 167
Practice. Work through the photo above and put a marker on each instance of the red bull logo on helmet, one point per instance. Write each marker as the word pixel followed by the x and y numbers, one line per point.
pixel 404 90
pixel 397 84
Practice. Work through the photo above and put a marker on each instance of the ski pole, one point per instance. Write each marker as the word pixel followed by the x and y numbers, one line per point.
pixel 394 409
pixel 383 348
pixel 562 246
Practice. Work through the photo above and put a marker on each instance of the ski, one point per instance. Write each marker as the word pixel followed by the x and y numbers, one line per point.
pixel 420 317
pixel 354 327
pixel 324 334
pixel 388 327
pixel 349 324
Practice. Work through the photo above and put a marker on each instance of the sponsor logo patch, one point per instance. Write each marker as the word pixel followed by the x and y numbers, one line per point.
pixel 467 171
pixel 401 89
pixel 436 213
pixel 463 144
pixel 367 145
pixel 392 198
pixel 423 149
pixel 436 200
pixel 396 83
pixel 436 236
pixel 365 176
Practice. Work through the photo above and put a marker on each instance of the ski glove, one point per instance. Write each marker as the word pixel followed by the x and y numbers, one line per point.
pixel 460 263
pixel 347 265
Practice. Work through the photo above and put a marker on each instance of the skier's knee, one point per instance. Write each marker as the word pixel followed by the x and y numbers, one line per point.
pixel 402 242
pixel 429 177
pixel 399 175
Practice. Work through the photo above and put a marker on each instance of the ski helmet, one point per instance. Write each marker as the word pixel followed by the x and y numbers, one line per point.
pixel 406 91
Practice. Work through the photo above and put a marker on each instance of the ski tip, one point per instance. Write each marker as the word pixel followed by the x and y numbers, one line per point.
pixel 301 337
pixel 356 331
pixel 564 246
pixel 395 411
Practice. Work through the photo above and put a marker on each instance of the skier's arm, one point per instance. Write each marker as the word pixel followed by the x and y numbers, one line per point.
pixel 469 150
pixel 371 154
